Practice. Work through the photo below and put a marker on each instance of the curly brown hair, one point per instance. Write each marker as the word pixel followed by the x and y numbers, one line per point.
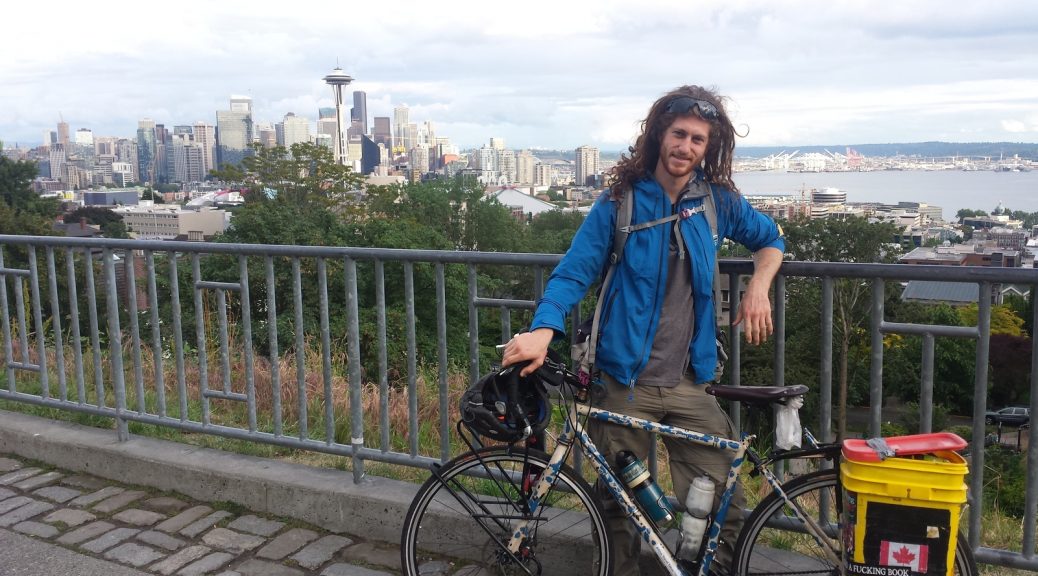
pixel 717 165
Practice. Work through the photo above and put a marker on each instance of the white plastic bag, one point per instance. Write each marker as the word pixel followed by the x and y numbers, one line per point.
pixel 788 432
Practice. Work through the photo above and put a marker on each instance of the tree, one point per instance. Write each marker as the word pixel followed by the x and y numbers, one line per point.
pixel 307 175
pixel 1003 319
pixel 850 239
pixel 152 195
pixel 968 213
pixel 28 212
pixel 1009 368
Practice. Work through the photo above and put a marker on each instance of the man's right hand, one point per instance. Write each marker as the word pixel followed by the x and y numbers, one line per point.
pixel 532 346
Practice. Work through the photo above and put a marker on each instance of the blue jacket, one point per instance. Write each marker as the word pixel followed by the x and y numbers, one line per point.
pixel 631 309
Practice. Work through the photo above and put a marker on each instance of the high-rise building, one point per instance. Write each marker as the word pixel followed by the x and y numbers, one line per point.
pixel 295 130
pixel 542 175
pixel 267 134
pixel 524 167
pixel 146 150
pixel 234 131
pixel 497 143
pixel 419 157
pixel 359 114
pixel 63 133
pixel 84 137
pixel 383 133
pixel 57 163
pixel 126 153
pixel 506 165
pixel 586 165
pixel 205 136
pixel 184 159
pixel 401 137
pixel 241 104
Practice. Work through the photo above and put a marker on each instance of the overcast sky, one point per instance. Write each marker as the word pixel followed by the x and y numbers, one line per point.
pixel 542 74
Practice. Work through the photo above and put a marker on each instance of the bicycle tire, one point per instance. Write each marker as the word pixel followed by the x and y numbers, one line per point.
pixel 766 550
pixel 441 536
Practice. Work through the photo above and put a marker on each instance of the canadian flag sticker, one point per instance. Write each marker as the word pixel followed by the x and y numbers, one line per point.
pixel 899 554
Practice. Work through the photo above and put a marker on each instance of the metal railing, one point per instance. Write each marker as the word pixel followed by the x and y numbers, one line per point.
pixel 138 363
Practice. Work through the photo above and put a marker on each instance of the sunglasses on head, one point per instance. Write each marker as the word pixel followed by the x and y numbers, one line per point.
pixel 686 104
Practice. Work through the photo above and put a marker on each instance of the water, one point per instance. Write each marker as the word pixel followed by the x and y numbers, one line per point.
pixel 952 190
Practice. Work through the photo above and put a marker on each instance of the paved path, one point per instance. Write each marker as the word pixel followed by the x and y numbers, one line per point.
pixel 58 522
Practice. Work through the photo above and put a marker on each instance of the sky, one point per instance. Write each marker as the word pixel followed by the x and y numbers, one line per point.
pixel 538 74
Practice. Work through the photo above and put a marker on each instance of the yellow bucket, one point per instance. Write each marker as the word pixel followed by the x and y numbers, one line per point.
pixel 902 512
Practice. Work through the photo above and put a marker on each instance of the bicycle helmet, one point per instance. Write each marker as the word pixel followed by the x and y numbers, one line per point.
pixel 506 407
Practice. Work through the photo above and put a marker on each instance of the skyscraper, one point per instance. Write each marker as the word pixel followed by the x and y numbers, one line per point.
pixel 63 133
pixel 586 165
pixel 146 150
pixel 383 133
pixel 359 114
pixel 205 136
pixel 338 80
pixel 295 130
pixel 401 137
pixel 234 131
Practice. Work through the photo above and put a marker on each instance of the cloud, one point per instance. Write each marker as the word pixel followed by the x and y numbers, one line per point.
pixel 552 74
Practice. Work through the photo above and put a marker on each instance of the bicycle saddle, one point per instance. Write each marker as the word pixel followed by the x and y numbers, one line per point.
pixel 757 394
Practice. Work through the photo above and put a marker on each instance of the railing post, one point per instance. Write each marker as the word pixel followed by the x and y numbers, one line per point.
pixel 825 384
pixel 115 345
pixel 356 401
pixel 980 388
pixel 876 371
pixel 926 386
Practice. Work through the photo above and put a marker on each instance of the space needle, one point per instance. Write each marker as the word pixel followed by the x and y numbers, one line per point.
pixel 337 80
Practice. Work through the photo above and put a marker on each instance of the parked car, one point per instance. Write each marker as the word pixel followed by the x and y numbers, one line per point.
pixel 1010 415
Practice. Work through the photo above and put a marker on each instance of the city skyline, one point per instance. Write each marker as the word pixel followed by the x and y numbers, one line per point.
pixel 554 76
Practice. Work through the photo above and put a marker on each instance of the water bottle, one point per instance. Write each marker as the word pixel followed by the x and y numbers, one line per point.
pixel 698 503
pixel 652 500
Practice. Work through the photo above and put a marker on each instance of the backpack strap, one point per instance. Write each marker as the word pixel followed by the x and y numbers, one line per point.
pixel 711 217
pixel 623 229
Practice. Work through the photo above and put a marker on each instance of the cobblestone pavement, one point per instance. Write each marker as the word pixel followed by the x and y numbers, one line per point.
pixel 172 535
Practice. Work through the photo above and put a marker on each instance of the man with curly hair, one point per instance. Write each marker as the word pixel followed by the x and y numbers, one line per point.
pixel 656 344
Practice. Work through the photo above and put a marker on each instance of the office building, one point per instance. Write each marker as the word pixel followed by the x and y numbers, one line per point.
pixel 542 174
pixel 383 133
pixel 234 131
pixel 205 136
pixel 168 222
pixel 84 137
pixel 401 127
pixel 295 130
pixel 359 114
pixel 146 150
pixel 62 137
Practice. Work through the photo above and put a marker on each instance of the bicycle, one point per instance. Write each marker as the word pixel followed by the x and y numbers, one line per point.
pixel 515 509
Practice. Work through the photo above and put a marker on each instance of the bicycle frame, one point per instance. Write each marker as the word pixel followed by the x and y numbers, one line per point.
pixel 574 431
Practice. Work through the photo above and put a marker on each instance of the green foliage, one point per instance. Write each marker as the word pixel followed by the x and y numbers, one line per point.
pixel 22 211
pixel 93 215
pixel 967 213
pixel 910 417
pixel 1005 477
pixel 843 240
pixel 1009 369
pixel 154 196
pixel 888 429
pixel 1003 319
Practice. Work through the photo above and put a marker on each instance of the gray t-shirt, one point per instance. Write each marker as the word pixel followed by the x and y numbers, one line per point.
pixel 669 355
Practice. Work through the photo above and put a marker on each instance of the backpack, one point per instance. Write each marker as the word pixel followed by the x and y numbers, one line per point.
pixel 585 340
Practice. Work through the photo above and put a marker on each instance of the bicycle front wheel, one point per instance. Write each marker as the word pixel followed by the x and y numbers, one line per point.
pixel 462 518
pixel 774 541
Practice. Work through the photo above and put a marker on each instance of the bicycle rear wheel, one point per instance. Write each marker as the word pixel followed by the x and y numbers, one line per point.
pixel 775 542
pixel 461 520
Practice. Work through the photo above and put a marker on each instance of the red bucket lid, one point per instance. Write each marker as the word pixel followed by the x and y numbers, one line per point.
pixel 859 450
